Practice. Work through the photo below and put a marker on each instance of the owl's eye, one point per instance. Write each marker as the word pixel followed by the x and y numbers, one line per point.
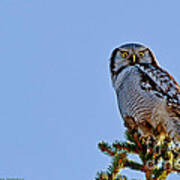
pixel 124 54
pixel 141 54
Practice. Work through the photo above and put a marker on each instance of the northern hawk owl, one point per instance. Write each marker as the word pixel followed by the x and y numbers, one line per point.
pixel 148 96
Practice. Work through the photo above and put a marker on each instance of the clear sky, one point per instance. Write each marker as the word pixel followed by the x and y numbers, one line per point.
pixel 56 97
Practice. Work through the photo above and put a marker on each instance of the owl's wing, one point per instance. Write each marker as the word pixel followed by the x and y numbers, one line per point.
pixel 161 82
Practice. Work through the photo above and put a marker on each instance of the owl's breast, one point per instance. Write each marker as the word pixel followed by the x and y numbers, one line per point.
pixel 133 101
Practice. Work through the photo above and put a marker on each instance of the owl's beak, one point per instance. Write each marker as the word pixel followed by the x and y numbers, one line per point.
pixel 134 58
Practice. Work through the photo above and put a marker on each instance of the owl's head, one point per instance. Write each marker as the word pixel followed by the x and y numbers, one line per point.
pixel 130 55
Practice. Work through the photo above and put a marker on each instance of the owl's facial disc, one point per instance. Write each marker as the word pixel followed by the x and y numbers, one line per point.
pixel 130 55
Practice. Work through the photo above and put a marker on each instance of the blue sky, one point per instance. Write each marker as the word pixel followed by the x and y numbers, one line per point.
pixel 56 97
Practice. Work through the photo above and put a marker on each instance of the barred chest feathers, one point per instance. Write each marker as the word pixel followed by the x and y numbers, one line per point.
pixel 133 101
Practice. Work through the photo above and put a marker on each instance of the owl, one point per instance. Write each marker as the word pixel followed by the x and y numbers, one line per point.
pixel 148 96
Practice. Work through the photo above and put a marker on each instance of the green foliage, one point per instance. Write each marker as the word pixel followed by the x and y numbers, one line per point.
pixel 158 159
